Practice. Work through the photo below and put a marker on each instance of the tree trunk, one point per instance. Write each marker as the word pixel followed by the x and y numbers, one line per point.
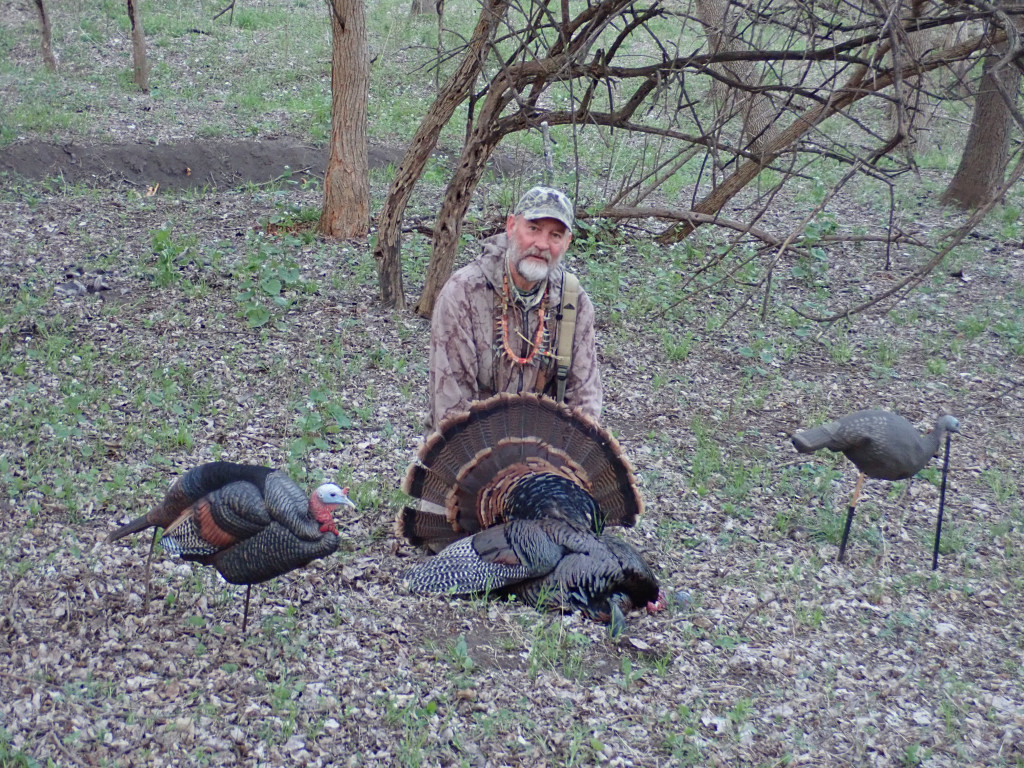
pixel 983 163
pixel 346 211
pixel 756 109
pixel 478 149
pixel 139 65
pixel 420 7
pixel 913 105
pixel 48 58
pixel 455 91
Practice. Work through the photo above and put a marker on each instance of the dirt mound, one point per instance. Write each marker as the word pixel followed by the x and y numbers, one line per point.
pixel 184 165
pixel 220 164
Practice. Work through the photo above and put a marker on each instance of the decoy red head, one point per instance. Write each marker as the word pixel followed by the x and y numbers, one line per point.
pixel 324 501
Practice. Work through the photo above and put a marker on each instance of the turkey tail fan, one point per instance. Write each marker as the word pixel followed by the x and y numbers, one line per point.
pixel 590 452
pixel 473 456
pixel 136 525
pixel 426 525
pixel 521 425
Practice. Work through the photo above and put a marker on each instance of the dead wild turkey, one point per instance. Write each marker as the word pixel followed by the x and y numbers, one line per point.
pixel 516 494
pixel 882 445
pixel 251 523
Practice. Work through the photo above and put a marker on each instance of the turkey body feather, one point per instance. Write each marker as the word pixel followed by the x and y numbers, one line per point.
pixel 516 495
pixel 548 563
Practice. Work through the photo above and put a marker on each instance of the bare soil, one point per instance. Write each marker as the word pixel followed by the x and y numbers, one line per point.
pixel 189 165
pixel 176 166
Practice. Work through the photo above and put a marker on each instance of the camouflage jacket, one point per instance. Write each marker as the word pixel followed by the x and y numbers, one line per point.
pixel 467 357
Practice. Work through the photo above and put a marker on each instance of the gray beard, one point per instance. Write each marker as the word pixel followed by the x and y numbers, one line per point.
pixel 533 271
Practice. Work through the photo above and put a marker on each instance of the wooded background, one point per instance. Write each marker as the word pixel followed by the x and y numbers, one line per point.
pixel 711 96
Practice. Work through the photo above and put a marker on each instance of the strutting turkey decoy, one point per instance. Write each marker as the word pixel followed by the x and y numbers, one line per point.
pixel 516 494
pixel 882 445
pixel 251 523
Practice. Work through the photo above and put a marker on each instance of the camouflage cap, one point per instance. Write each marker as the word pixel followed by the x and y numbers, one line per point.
pixel 545 203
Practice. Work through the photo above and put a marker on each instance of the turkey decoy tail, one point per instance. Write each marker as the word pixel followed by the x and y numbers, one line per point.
pixel 136 525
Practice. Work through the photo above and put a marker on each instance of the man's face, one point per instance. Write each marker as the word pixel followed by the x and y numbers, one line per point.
pixel 535 248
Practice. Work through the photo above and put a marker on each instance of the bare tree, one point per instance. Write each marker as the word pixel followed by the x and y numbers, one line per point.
pixel 421 7
pixel 44 21
pixel 346 211
pixel 755 107
pixel 489 127
pixel 808 82
pixel 454 92
pixel 912 107
pixel 140 66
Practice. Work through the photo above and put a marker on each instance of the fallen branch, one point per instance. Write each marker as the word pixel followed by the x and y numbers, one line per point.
pixel 230 7
pixel 760 604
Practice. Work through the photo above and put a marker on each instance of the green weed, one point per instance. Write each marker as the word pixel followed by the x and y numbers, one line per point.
pixel 707 459
pixel 682 741
pixel 915 755
pixel 461 662
pixel 553 648
pixel 269 280
pixel 14 758
pixel 677 347
pixel 413 721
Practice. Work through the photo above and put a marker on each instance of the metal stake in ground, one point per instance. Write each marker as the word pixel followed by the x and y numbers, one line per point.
pixel 942 503
pixel 245 612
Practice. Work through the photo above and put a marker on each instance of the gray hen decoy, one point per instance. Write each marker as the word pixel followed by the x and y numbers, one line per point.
pixel 516 494
pixel 251 523
pixel 881 445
